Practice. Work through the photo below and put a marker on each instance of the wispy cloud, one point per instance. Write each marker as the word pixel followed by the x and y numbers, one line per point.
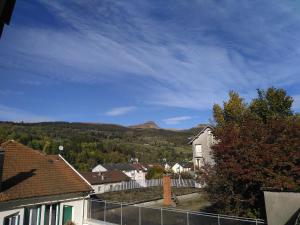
pixel 189 56
pixel 17 115
pixel 10 92
pixel 176 120
pixel 120 111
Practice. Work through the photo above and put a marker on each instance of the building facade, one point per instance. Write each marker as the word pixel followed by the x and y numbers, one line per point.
pixel 38 189
pixel 105 181
pixel 201 147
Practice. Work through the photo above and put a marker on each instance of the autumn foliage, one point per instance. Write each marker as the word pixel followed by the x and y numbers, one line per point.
pixel 252 152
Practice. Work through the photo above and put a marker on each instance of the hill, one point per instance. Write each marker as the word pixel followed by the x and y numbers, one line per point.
pixel 146 125
pixel 86 144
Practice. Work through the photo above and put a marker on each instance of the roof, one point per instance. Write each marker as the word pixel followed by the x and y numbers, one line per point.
pixel 113 176
pixel 138 166
pixel 187 165
pixel 151 165
pixel 118 166
pixel 28 173
pixel 202 131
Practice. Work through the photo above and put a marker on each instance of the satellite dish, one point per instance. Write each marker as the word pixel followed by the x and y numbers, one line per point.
pixel 60 148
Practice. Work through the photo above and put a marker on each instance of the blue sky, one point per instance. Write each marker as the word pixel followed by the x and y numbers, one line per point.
pixel 127 62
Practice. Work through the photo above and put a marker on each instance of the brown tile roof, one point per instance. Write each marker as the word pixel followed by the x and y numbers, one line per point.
pixel 28 173
pixel 112 176
pixel 138 166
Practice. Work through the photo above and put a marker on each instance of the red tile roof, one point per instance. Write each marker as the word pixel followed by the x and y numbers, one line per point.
pixel 28 173
pixel 112 176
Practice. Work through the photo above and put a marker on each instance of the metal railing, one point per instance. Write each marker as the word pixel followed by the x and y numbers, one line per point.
pixel 149 183
pixel 109 212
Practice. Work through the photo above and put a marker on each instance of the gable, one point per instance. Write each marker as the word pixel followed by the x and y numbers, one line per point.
pixel 200 133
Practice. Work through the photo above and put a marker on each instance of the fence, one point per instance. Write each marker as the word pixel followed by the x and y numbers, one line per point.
pixel 128 214
pixel 146 183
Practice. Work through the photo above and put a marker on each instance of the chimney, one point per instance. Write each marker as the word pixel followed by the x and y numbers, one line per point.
pixel 167 190
pixel 1 166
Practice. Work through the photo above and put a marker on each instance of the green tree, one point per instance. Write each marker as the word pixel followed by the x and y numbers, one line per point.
pixel 233 110
pixel 270 104
pixel 155 172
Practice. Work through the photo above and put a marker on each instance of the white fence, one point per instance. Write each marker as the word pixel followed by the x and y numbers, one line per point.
pixel 122 186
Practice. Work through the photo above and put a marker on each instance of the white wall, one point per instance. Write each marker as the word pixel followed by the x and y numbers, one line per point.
pixel 99 168
pixel 138 176
pixel 177 168
pixel 282 207
pixel 101 188
pixel 77 212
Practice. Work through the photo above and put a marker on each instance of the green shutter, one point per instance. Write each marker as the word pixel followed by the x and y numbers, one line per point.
pixel 39 216
pixel 67 214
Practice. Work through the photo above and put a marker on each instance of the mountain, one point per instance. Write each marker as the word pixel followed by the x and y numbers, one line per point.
pixel 146 125
pixel 86 144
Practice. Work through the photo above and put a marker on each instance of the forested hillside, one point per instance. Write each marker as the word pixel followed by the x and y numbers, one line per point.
pixel 87 144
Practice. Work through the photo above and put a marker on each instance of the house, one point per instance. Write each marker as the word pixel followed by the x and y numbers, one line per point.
pixel 135 170
pixel 201 146
pixel 99 168
pixel 167 166
pixel 105 181
pixel 39 189
pixel 177 168
pixel 187 166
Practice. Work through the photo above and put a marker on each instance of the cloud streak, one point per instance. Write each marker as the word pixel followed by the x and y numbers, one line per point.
pixel 120 111
pixel 17 115
pixel 185 56
pixel 176 120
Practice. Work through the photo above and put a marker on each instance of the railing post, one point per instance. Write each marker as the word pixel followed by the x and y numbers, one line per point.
pixel 219 219
pixel 161 217
pixel 121 214
pixel 105 211
pixel 140 216
pixel 256 222
pixel 187 218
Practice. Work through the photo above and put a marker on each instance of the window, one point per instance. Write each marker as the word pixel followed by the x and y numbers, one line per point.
pixel 51 214
pixel 12 219
pixel 32 216
pixel 198 151
pixel 208 138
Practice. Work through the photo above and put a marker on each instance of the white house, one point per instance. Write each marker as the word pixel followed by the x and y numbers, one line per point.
pixel 201 146
pixel 105 181
pixel 187 166
pixel 99 168
pixel 39 189
pixel 177 168
pixel 135 171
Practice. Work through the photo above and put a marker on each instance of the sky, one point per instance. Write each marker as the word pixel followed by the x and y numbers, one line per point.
pixel 127 62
